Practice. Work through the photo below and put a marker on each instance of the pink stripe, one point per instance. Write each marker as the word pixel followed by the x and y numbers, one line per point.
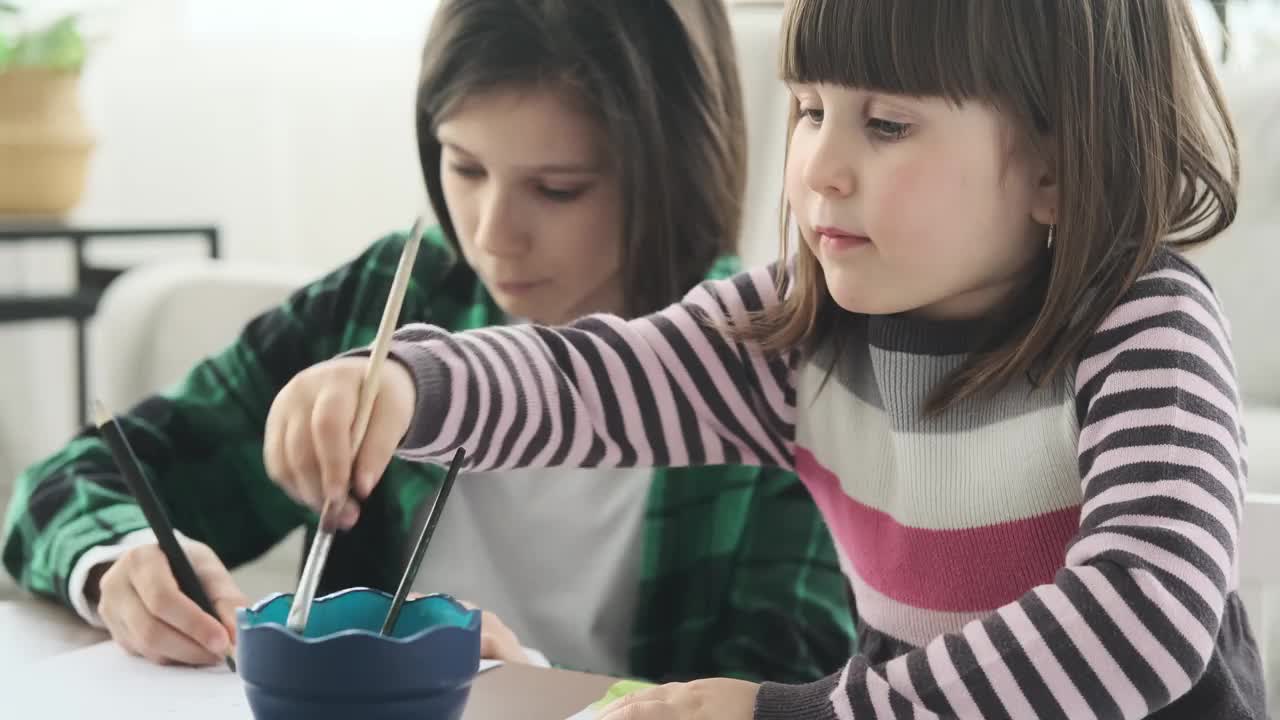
pixel 1148 492
pixel 1193 284
pixel 922 714
pixel 1143 308
pixel 451 428
pixel 1170 416
pixel 543 403
pixel 1193 533
pixel 1181 618
pixel 476 438
pixel 929 569
pixel 1096 543
pixel 1159 338
pixel 1175 679
pixel 839 696
pixel 505 397
pixel 1127 380
pixel 695 394
pixel 997 671
pixel 1123 457
pixel 879 690
pixel 774 394
pixel 622 385
pixel 948 680
pixel 663 396
pixel 1046 663
pixel 593 408
pixel 1113 678
pixel 899 677
pixel 724 385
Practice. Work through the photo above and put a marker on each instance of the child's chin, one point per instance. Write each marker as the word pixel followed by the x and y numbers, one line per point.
pixel 862 304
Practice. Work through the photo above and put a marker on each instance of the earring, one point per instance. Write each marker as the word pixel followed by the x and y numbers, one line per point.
pixel 1049 242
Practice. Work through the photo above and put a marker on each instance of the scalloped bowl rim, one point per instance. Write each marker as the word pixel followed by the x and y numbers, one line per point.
pixel 473 623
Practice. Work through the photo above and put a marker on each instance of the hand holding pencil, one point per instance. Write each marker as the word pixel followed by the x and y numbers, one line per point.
pixel 163 601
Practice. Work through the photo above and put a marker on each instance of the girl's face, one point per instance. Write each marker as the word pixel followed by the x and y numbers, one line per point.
pixel 536 203
pixel 914 204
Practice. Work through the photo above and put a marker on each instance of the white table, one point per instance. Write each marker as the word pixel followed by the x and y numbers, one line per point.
pixel 31 630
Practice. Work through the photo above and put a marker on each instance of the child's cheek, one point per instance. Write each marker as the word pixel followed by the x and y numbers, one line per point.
pixel 901 213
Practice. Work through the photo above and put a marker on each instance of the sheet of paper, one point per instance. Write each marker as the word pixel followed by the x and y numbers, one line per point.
pixel 104 682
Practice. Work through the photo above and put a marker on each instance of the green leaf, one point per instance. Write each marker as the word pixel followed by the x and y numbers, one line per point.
pixel 58 47
pixel 8 7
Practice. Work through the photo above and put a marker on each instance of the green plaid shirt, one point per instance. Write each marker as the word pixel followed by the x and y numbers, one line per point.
pixel 739 577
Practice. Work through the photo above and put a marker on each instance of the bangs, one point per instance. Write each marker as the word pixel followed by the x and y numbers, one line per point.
pixel 945 48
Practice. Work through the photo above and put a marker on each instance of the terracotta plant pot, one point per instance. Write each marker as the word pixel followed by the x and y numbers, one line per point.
pixel 44 142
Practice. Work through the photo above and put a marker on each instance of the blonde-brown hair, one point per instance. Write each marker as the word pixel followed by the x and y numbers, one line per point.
pixel 1119 94
pixel 661 78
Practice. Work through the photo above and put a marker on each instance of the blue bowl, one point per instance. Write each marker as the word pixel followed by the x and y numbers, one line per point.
pixel 343 669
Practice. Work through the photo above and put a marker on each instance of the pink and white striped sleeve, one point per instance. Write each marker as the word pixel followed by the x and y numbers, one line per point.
pixel 670 389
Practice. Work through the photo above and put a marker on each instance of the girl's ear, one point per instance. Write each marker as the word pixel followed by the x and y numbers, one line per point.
pixel 1044 200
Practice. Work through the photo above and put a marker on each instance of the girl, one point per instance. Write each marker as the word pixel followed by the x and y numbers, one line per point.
pixel 563 186
pixel 1013 402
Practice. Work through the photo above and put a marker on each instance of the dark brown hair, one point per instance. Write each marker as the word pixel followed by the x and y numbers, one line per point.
pixel 661 78
pixel 1119 95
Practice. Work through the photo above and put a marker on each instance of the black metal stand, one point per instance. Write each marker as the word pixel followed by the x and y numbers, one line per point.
pixel 81 303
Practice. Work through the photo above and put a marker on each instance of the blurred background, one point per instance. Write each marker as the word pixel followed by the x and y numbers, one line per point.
pixel 286 126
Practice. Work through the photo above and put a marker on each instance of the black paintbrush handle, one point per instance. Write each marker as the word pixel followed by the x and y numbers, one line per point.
pixel 420 549
pixel 157 518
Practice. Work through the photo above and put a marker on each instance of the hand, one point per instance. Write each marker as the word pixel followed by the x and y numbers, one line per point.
pixel 497 641
pixel 139 600
pixel 309 434
pixel 718 698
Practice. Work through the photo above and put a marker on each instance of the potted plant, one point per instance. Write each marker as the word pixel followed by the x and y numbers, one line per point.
pixel 44 142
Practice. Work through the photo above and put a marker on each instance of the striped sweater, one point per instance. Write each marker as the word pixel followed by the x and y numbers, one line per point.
pixel 1062 551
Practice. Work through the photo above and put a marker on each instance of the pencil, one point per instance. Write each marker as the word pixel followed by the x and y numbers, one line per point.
pixel 155 514
pixel 420 548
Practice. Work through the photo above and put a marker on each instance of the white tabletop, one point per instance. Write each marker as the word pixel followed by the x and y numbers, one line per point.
pixel 33 630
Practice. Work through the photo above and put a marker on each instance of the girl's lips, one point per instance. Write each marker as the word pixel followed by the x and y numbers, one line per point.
pixel 836 240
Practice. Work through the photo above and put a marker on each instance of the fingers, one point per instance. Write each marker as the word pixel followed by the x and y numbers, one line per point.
pixel 148 615
pixel 331 421
pixel 223 592
pixel 154 584
pixel 308 443
pixel 648 705
pixel 141 633
pixel 499 642
pixel 380 443
pixel 300 457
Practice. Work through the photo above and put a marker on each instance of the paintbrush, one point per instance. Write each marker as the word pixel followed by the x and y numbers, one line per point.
pixel 420 548
pixel 300 609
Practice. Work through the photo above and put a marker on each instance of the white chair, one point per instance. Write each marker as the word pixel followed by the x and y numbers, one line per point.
pixel 1260 582
pixel 156 322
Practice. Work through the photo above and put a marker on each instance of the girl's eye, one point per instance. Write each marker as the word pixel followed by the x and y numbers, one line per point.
pixel 561 194
pixel 813 115
pixel 888 129
pixel 469 172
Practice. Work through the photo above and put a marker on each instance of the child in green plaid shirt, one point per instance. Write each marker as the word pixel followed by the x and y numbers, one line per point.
pixel 562 186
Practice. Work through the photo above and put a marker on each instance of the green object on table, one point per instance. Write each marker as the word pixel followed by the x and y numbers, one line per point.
pixel 620 689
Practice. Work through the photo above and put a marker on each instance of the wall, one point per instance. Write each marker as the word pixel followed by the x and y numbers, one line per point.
pixel 288 122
